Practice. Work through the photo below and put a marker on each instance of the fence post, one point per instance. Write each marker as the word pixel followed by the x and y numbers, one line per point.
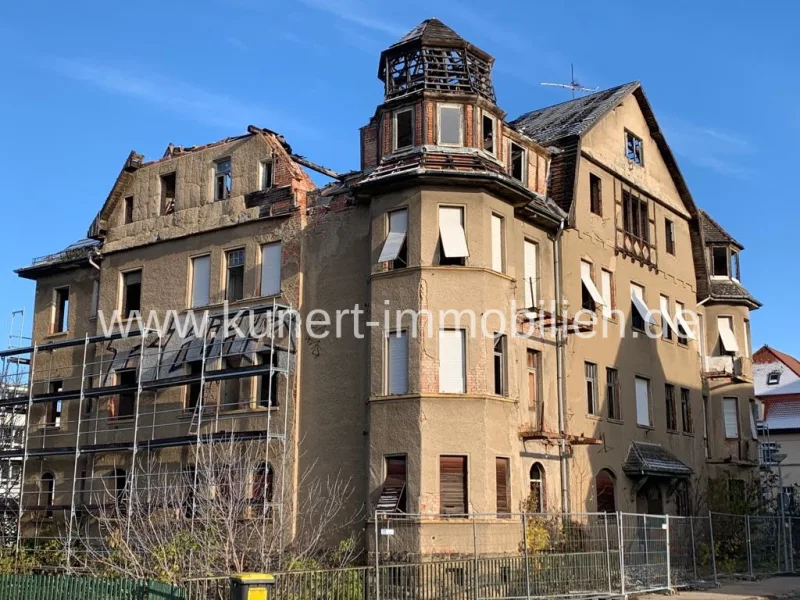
pixel 669 564
pixel 608 554
pixel 475 555
pixel 791 546
pixel 713 549
pixel 377 559
pixel 749 546
pixel 525 553
pixel 694 553
pixel 621 554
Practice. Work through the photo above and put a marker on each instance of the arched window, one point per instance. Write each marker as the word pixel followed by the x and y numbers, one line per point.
pixel 263 483
pixel 605 483
pixel 536 498
pixel 47 489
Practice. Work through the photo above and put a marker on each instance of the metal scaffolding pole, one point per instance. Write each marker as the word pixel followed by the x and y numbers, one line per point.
pixel 25 446
pixel 132 479
pixel 77 454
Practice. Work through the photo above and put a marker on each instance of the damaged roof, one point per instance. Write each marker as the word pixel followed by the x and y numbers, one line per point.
pixel 74 253
pixel 728 289
pixel 714 233
pixel 431 32
pixel 646 458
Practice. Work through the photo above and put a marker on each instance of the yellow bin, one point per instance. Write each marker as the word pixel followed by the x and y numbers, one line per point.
pixel 251 586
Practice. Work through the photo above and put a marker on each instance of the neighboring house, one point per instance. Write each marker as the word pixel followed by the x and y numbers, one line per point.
pixel 777 386
pixel 454 207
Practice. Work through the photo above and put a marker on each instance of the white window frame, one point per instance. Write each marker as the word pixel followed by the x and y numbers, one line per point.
pixel 777 378
pixel 394 128
pixel 727 337
pixel 731 403
pixel 396 383
pixel 498 243
pixel 681 322
pixel 643 404
pixel 607 291
pixel 270 268
pixel 667 326
pixel 524 180
pixel 227 174
pixel 530 278
pixel 397 228
pixel 262 171
pixel 452 232
pixel 588 283
pixel 460 109
pixel 448 365
pixel 637 297
pixel 193 303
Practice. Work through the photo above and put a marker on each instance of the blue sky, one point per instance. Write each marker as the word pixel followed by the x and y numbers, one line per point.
pixel 86 82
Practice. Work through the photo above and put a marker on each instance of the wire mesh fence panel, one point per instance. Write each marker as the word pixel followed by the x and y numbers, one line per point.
pixel 766 545
pixel 730 544
pixel 644 550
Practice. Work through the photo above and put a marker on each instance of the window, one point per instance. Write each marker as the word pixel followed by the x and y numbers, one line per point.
pixel 131 293
pixel 263 485
pixel 503 486
pixel 669 235
pixel 397 362
pixel 590 295
pixel 488 134
pixel 633 148
pixel 193 391
pixel 119 481
pixel 727 340
pixel 48 487
pixel 403 129
pixel 222 179
pixel 590 373
pixel 536 482
pixel 719 261
pixel 128 210
pixel 234 287
pixel 201 280
pixel 612 394
pixel 393 495
pixel 754 418
pixel 95 302
pixel 453 485
pixel 641 316
pixel 168 194
pixel 669 399
pixel 606 291
pixel 531 267
pixel 450 133
pixel 452 350
pixel 735 265
pixel 535 404
pixel 268 382
pixel 230 388
pixel 126 400
pixel 395 249
pixel 500 387
pixel 635 219
pixel 595 194
pixel 774 378
pixel 498 243
pixel 271 269
pixel 686 411
pixel 53 411
pixel 666 328
pixel 730 412
pixel 747 337
pixel 605 493
pixel 266 175
pixel 61 310
pixel 767 450
pixel 642 401
pixel 706 447
pixel 452 237
pixel 517 159
pixel 684 332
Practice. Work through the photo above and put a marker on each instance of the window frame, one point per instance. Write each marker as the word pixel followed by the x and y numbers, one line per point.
pixel 168 204
pixel 486 116
pixel 402 504
pixel 687 421
pixel 524 162
pixel 726 400
pixel 464 459
pixel 669 235
pixel 266 167
pixel 500 365
pixel 59 322
pixel 498 242
pixel 777 379
pixel 726 262
pixel 444 259
pixel 124 305
pixel 502 505
pixel 666 320
pixel 610 303
pixel 439 128
pixel 649 399
pixel 193 280
pixel 228 270
pixel 635 142
pixel 395 140
pixel 387 378
pixel 612 395
pixel 225 176
pixel 590 380
pixel 671 409
pixel 400 259
pixel 464 361
pixel 530 281
pixel 262 267
pixel 632 206
pixel 683 335
pixel 595 194
pixel 127 217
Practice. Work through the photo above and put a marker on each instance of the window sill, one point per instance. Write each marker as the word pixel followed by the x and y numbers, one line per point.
pixel 615 421
pixel 673 431
pixel 57 335
pixel 592 417
pixel 121 420
pixel 645 427
pixel 50 428
pixel 688 433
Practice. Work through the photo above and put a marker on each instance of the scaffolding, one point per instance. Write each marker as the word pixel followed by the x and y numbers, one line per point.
pixel 125 424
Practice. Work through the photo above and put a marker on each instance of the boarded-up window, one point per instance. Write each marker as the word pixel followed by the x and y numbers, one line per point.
pixel 453 485
pixel 271 269
pixel 503 487
pixel 201 280
pixel 606 499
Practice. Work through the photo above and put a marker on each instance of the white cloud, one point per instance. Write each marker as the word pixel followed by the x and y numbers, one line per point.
pixel 723 152
pixel 354 12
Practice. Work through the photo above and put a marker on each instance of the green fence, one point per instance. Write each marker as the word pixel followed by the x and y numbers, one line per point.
pixel 63 587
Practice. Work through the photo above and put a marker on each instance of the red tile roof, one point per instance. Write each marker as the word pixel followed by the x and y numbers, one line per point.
pixel 763 356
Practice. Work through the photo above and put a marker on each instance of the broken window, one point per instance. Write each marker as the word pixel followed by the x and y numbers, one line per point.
pixel 669 399
pixel 193 392
pixel 595 194
pixel 201 280
pixel 53 410
pixel 61 310
pixel 265 169
pixel 719 260
pixel 393 494
pixel 669 233
pixel 397 362
pixel 503 488
pixel 634 149
pixel 395 249
pixel 131 293
pixel 500 365
pixel 612 394
pixel 590 374
pixel 686 412
pixel 128 210
pixel 119 482
pixel 234 286
pixel 268 382
pixel 230 389
pixel 452 237
pixel 271 269
pixel 517 162
pixel 453 485
pixel 488 134
pixel 126 401
pixel 222 179
pixel 168 194
pixel 450 133
pixel 403 129
pixel 635 220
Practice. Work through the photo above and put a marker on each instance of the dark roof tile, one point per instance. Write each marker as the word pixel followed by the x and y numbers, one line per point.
pixel 714 233
pixel 727 289
pixel 645 458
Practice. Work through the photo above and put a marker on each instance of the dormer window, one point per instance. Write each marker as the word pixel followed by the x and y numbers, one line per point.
pixel 222 179
pixel 774 378
pixel 634 149
pixel 488 134
pixel 724 262
pixel 403 128
pixel 517 162
pixel 450 130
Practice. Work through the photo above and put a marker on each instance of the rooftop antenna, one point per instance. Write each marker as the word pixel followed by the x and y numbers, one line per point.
pixel 573 85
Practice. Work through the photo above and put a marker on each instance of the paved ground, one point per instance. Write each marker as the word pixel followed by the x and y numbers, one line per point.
pixel 766 589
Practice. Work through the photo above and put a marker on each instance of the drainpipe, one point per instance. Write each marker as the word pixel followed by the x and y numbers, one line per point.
pixel 562 452
pixel 91 256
